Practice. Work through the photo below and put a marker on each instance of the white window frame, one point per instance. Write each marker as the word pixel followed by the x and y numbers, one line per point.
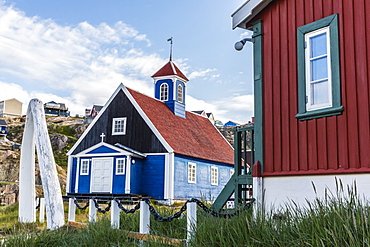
pixel 192 173
pixel 310 106
pixel 163 92
pixel 214 175
pixel 123 167
pixel 123 131
pixel 180 93
pixel 85 165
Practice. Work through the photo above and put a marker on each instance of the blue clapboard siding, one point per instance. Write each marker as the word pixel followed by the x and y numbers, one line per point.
pixel 202 187
pixel 136 173
pixel 118 185
pixel 158 88
pixel 152 178
pixel 177 108
pixel 102 150
pixel 183 91
pixel 84 180
pixel 72 176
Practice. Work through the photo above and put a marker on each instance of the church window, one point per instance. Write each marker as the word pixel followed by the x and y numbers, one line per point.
pixel 192 173
pixel 85 167
pixel 180 93
pixel 164 92
pixel 119 126
pixel 120 166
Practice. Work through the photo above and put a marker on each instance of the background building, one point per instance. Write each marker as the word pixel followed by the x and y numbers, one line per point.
pixel 10 108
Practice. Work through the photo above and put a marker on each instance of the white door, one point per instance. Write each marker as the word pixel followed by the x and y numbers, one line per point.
pixel 101 175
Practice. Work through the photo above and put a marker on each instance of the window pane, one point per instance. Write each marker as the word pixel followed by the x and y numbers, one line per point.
pixel 319 68
pixel 318 45
pixel 164 92
pixel 179 95
pixel 320 94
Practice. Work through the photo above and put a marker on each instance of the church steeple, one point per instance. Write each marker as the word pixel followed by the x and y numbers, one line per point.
pixel 170 85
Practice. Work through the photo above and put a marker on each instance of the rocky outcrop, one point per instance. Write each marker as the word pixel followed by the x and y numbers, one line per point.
pixel 58 141
pixel 9 194
pixel 79 129
pixel 9 175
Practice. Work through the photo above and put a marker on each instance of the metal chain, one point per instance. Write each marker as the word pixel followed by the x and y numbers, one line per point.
pixel 221 215
pixel 78 205
pixel 127 211
pixel 103 211
pixel 160 218
pixel 39 202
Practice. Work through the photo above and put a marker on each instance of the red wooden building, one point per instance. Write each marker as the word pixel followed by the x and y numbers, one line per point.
pixel 312 87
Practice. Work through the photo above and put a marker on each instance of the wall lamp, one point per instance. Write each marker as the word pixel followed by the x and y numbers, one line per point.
pixel 240 44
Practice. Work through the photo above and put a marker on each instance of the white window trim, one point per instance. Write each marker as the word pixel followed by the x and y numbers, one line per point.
pixel 83 161
pixel 214 175
pixel 123 168
pixel 124 119
pixel 192 166
pixel 160 92
pixel 309 105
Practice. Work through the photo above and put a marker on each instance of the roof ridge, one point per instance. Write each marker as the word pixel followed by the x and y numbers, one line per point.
pixel 173 68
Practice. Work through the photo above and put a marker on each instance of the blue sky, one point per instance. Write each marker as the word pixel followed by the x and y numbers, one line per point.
pixel 77 52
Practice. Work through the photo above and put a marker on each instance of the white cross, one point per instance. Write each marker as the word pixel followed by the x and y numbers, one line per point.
pixel 102 137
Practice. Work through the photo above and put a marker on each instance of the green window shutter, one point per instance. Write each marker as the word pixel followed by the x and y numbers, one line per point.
pixel 336 108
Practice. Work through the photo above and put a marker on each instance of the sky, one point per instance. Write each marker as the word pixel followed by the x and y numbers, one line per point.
pixel 78 52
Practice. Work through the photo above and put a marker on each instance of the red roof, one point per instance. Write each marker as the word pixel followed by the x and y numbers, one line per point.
pixel 170 69
pixel 194 136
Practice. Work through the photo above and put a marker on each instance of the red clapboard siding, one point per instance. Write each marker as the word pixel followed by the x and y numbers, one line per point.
pixel 342 119
pixel 276 87
pixel 362 78
pixel 284 90
pixel 367 23
pixel 352 104
pixel 292 92
pixel 336 144
pixel 268 114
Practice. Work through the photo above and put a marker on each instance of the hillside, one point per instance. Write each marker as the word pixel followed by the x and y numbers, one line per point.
pixel 63 133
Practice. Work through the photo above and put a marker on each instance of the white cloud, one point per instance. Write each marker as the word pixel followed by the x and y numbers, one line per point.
pixel 86 63
pixel 83 64
pixel 238 108
pixel 203 73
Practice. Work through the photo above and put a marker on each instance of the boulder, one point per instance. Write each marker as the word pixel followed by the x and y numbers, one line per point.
pixel 58 141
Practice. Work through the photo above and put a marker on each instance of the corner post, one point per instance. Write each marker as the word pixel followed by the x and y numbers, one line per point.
pixel 114 217
pixel 92 211
pixel 257 187
pixel 71 210
pixel 128 175
pixel 144 218
pixel 191 221
pixel 258 91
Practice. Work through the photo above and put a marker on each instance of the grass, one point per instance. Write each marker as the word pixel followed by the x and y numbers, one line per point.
pixel 339 219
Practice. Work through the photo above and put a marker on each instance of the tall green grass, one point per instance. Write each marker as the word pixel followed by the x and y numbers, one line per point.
pixel 338 219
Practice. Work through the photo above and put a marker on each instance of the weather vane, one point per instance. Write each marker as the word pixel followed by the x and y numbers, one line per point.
pixel 170 39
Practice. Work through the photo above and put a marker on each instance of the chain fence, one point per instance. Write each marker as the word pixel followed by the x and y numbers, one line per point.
pixel 160 218
pixel 79 206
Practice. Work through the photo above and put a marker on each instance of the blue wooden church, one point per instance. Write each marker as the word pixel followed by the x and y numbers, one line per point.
pixel 150 146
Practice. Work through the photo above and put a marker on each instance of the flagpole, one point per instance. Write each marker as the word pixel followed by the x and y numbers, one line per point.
pixel 170 39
